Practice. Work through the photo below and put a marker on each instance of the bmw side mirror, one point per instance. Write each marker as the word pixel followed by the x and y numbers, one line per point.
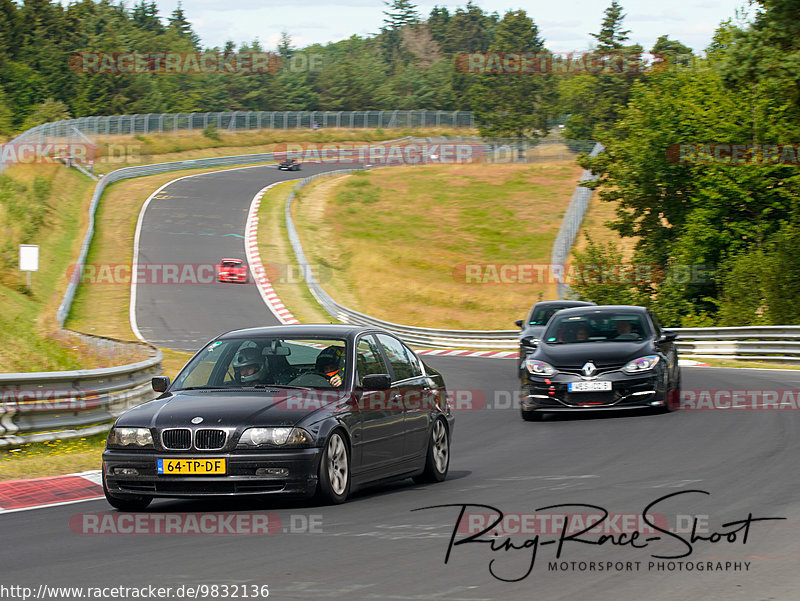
pixel 667 336
pixel 160 383
pixel 376 382
pixel 519 323
pixel 530 341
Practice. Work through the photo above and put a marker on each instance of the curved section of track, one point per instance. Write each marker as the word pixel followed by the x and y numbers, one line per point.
pixel 195 221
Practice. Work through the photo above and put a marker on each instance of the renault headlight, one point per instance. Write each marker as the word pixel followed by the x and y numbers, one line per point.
pixel 641 364
pixel 540 368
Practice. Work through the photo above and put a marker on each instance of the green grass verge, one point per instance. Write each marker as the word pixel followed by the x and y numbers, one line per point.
pixel 52 458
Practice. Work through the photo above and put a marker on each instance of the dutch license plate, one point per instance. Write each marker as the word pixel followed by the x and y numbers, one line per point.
pixel 588 386
pixel 190 466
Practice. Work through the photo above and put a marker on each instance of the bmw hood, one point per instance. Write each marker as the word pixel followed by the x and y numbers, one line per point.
pixel 219 408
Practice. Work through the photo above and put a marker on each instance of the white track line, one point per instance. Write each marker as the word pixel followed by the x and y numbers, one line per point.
pixel 135 262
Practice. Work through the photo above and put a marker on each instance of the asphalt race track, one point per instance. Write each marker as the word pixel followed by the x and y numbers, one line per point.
pixel 196 221
pixel 377 547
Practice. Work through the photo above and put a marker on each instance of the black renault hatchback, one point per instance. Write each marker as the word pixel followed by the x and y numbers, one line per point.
pixel 601 358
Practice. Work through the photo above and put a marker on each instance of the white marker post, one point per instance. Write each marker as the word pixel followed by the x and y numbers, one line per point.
pixel 29 260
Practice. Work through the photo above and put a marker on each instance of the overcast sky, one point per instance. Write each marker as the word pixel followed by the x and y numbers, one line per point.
pixel 564 25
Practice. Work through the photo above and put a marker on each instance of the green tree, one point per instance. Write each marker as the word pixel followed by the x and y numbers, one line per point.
pixel 179 24
pixel 6 115
pixel 47 111
pixel 611 35
pixel 512 104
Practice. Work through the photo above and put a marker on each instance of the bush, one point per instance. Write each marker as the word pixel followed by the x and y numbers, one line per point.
pixel 211 132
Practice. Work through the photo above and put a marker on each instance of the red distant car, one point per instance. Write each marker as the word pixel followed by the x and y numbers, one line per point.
pixel 232 270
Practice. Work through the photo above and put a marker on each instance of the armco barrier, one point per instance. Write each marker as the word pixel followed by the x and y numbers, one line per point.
pixel 571 223
pixel 66 404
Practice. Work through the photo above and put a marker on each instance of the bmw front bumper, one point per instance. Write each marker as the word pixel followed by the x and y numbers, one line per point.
pixel 290 471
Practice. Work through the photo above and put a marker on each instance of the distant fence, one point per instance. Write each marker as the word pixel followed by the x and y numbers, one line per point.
pixel 571 224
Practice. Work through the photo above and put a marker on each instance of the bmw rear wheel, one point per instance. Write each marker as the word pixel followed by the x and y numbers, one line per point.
pixel 437 461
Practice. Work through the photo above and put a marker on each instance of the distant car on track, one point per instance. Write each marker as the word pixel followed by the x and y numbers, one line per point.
pixel 289 165
pixel 283 410
pixel 532 327
pixel 601 358
pixel 232 270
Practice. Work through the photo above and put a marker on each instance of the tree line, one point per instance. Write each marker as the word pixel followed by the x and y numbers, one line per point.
pixel 411 63
pixel 703 163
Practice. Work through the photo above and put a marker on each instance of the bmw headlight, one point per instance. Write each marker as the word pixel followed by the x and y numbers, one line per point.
pixel 641 364
pixel 540 368
pixel 281 436
pixel 130 438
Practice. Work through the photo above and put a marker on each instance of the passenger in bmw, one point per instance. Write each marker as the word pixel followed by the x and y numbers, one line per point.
pixel 328 365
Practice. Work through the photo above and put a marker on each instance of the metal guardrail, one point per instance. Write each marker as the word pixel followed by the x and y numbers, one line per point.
pixel 54 405
pixel 571 224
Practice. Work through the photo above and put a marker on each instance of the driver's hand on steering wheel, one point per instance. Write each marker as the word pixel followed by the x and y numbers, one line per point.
pixel 336 381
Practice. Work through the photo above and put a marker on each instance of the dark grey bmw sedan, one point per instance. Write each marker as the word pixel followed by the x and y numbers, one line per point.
pixel 290 409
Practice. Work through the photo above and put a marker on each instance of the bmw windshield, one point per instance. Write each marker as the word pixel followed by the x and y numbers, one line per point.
pixel 254 362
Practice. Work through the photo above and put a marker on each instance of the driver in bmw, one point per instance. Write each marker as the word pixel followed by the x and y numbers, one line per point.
pixel 250 367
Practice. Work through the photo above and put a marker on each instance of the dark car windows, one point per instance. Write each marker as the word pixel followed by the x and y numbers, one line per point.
pixel 416 367
pixel 275 361
pixel 597 326
pixel 368 359
pixel 396 353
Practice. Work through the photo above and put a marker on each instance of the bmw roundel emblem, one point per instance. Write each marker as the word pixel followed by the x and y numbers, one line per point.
pixel 197 420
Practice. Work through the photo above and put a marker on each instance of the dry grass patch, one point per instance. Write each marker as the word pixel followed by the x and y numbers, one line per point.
pixel 597 215
pixel 396 240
